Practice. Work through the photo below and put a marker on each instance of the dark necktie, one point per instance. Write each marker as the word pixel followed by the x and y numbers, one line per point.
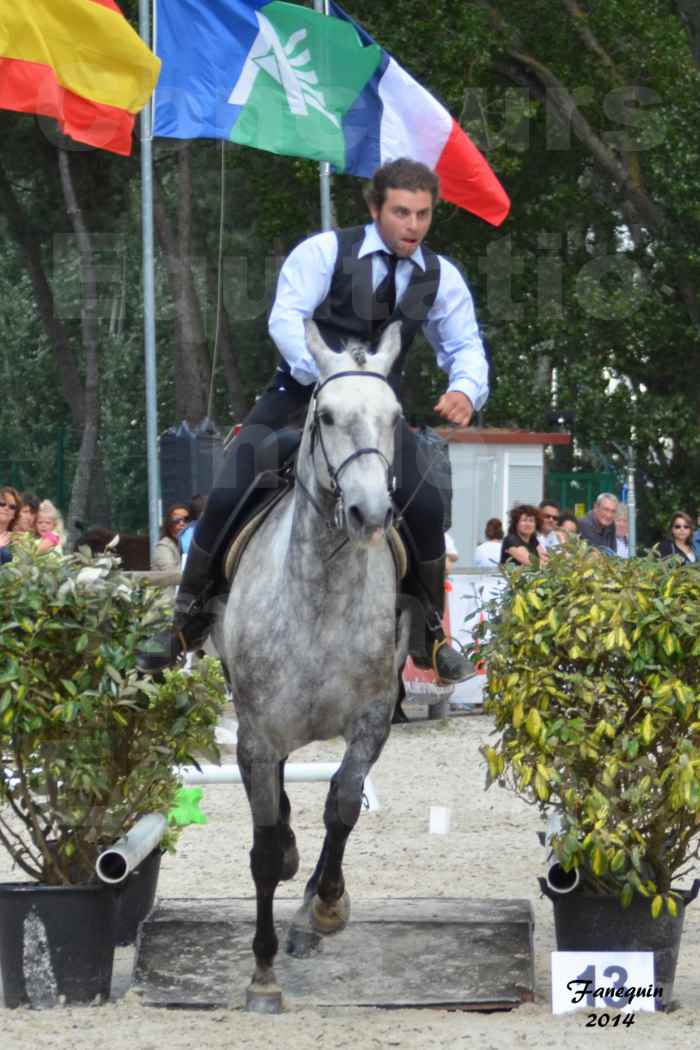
pixel 384 297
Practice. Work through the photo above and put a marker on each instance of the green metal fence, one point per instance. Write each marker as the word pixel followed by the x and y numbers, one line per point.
pixel 576 490
pixel 46 475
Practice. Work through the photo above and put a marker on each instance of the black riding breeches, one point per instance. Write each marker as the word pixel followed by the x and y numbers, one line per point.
pixel 284 404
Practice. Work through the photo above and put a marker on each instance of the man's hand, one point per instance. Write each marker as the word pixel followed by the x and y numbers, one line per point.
pixel 455 407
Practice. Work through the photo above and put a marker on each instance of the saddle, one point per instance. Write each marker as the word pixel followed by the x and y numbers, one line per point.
pixel 277 460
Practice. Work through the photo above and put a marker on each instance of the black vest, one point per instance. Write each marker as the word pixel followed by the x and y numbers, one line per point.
pixel 346 311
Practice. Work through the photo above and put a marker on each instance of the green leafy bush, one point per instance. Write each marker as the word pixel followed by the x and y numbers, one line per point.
pixel 87 745
pixel 594 681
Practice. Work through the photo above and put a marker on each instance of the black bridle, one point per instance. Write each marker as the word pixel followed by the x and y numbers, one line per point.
pixel 316 434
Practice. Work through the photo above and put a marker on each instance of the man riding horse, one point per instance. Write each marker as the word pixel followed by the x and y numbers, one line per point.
pixel 353 283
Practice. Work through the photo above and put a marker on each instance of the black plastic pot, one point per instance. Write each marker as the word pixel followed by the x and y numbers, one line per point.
pixel 135 900
pixel 56 943
pixel 590 922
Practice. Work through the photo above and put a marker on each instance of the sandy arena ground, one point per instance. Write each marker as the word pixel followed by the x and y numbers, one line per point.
pixel 491 850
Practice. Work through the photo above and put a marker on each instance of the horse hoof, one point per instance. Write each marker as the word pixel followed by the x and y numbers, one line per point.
pixel 330 918
pixel 303 942
pixel 290 864
pixel 262 999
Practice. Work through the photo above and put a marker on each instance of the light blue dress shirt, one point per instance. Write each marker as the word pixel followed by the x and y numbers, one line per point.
pixel 186 536
pixel 450 327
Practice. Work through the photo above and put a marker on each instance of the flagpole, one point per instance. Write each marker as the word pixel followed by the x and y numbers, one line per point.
pixel 321 6
pixel 149 299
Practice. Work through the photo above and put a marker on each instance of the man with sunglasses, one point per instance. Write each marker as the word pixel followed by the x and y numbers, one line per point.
pixel 353 283
pixel 548 521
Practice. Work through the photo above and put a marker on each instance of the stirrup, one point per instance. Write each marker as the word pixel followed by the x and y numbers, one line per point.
pixel 437 646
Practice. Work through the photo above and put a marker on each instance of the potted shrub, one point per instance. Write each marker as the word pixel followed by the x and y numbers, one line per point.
pixel 87 746
pixel 594 682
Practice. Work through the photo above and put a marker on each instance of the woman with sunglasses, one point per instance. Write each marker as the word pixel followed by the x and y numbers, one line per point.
pixel 680 541
pixel 9 509
pixel 167 555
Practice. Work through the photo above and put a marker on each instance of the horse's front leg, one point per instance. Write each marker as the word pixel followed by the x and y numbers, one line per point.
pixel 326 907
pixel 262 782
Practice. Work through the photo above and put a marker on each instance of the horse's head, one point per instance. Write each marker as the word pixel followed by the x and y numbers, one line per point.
pixel 353 418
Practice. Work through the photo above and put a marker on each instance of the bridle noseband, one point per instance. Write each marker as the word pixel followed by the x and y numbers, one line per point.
pixel 334 473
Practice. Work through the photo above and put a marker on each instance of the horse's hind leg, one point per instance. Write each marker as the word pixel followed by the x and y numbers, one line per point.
pixel 326 907
pixel 329 909
pixel 290 858
pixel 266 864
pixel 303 939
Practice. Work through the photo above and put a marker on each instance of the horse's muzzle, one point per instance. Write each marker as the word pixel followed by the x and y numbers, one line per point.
pixel 366 527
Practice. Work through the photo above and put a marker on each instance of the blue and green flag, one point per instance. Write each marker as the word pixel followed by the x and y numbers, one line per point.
pixel 283 78
pixel 276 76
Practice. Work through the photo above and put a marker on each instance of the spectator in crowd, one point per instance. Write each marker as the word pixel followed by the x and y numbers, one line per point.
pixel 679 542
pixel 567 526
pixel 26 517
pixel 196 509
pixel 521 544
pixel 49 527
pixel 622 546
pixel 488 554
pixel 451 552
pixel 167 555
pixel 597 527
pixel 548 518
pixel 9 509
pixel 696 535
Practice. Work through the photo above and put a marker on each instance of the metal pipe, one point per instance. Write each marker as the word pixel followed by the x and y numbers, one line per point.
pixel 561 881
pixel 557 878
pixel 324 168
pixel 114 864
pixel 631 504
pixel 299 772
pixel 149 299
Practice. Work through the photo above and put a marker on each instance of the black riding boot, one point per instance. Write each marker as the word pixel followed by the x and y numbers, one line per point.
pixel 427 582
pixel 194 615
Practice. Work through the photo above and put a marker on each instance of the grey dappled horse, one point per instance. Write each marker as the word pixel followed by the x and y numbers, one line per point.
pixel 310 642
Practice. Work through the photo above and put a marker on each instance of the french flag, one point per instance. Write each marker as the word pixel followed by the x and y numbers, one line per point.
pixel 395 116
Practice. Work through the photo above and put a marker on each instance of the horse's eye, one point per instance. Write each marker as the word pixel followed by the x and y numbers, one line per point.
pixel 326 418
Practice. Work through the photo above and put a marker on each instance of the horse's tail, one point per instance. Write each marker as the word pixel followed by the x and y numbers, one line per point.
pixel 403 632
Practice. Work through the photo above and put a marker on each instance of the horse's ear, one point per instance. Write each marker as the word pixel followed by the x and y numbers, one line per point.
pixel 388 349
pixel 322 354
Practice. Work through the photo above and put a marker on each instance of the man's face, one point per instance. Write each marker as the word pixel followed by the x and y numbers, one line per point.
pixel 404 219
pixel 550 516
pixel 604 512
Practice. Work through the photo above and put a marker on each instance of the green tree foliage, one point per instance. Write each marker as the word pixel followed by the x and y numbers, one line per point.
pixel 591 126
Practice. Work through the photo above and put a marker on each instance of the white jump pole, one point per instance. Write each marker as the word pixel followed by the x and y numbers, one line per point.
pixel 294 772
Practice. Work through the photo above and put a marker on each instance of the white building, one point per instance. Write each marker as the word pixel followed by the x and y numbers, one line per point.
pixel 492 470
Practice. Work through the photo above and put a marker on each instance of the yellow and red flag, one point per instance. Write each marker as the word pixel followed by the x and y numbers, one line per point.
pixel 78 61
